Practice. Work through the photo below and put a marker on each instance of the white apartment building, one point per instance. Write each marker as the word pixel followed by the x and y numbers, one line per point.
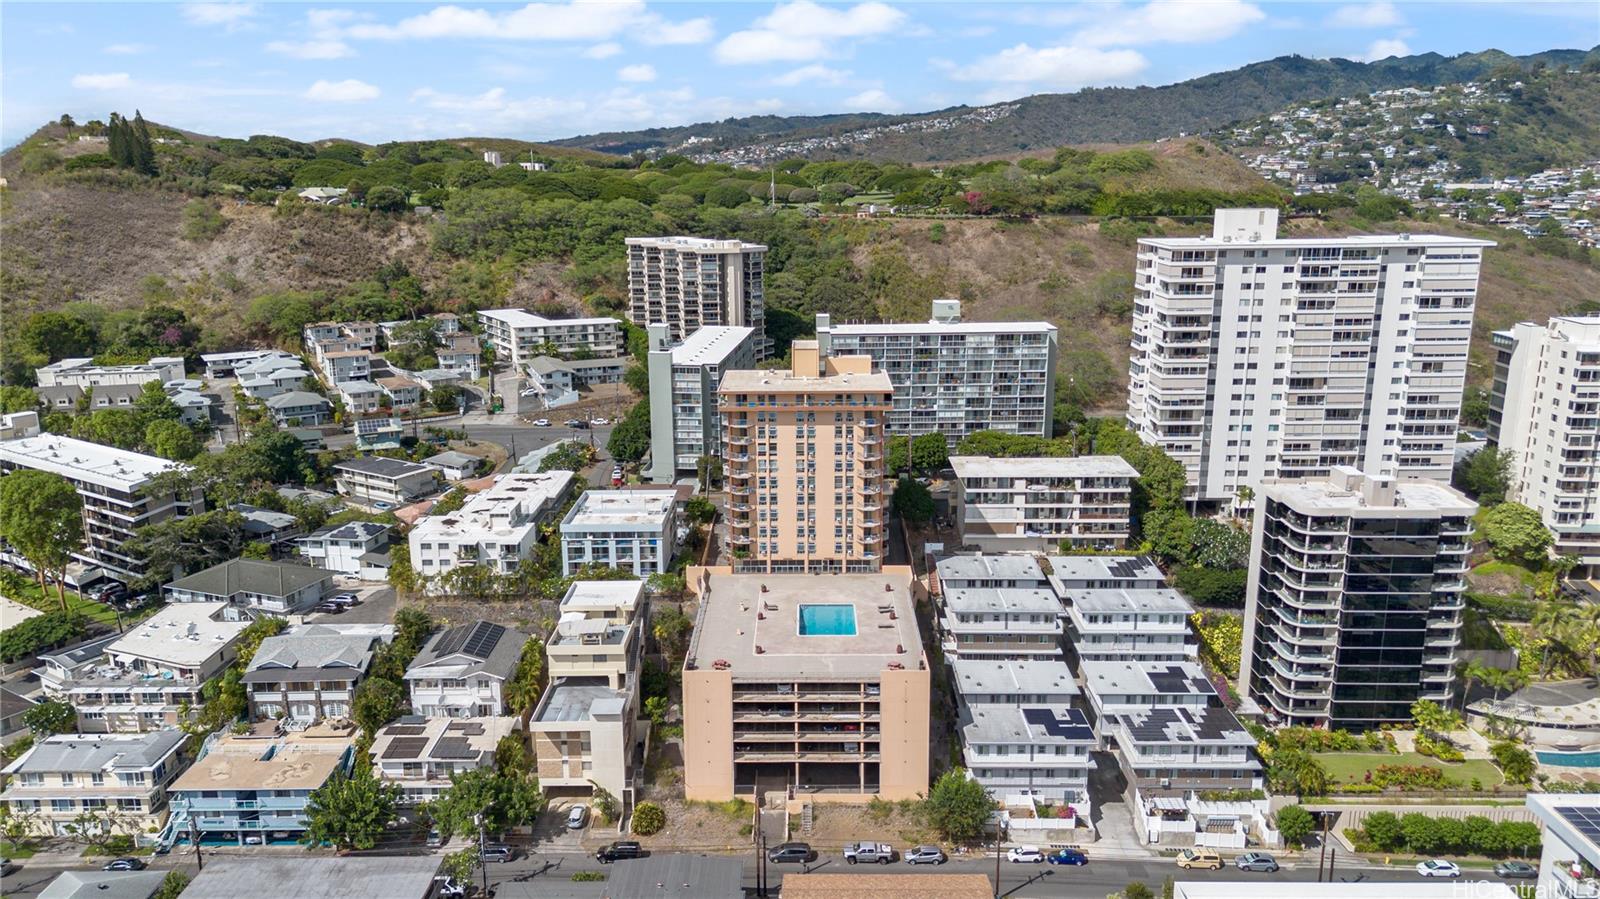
pixel 311 671
pixel 1570 854
pixel 630 530
pixel 348 548
pixel 953 377
pixel 1256 357
pixel 226 365
pixel 1354 605
pixel 462 671
pixel 82 372
pixel 268 376
pixel 121 779
pixel 518 335
pixel 142 678
pixel 1030 505
pixel 997 608
pixel 1120 608
pixel 419 754
pixel 461 354
pixel 684 420
pixel 379 479
pixel 689 283
pixel 497 527
pixel 1021 737
pixel 111 483
pixel 340 366
pixel 1545 411
pixel 360 397
pixel 584 727
pixel 1124 687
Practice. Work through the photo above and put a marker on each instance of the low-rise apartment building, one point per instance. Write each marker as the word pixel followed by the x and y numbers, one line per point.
pixel 270 377
pixel 1144 624
pixel 816 685
pixel 462 355
pixel 685 421
pixel 226 365
pixel 1545 411
pixel 1042 504
pixel 310 672
pixel 1068 573
pixel 997 608
pixel 1174 758
pixel 403 394
pixel 340 366
pixel 419 754
pixel 461 672
pixel 518 335
pixel 377 479
pixel 497 527
pixel 348 548
pixel 629 530
pixel 299 408
pixel 141 680
pixel 584 728
pixel 254 586
pixel 84 373
pixel 1125 687
pixel 254 786
pixel 119 779
pixel 360 397
pixel 953 377
pixel 111 483
pixel 1021 737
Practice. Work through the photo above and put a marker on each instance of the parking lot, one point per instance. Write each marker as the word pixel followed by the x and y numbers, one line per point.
pixel 377 604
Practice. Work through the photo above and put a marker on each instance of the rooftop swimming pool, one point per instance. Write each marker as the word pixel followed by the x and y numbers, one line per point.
pixel 827 620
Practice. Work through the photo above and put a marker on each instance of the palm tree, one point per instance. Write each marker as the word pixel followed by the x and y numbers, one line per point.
pixel 1548 622
pixel 1470 672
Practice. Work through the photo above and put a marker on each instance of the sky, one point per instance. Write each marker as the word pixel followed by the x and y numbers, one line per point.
pixel 402 71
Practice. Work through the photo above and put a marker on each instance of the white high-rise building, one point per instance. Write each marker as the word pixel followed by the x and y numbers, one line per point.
pixel 684 422
pixel 1545 411
pixel 693 282
pixel 1256 357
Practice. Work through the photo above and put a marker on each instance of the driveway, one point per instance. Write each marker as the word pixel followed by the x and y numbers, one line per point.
pixel 377 604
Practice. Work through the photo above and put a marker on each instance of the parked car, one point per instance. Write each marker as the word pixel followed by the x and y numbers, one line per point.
pixel 1199 858
pixel 1516 870
pixel 1026 855
pixel 791 852
pixel 869 853
pixel 108 592
pixel 926 855
pixel 435 838
pixel 577 817
pixel 496 852
pixel 349 599
pixel 599 422
pixel 329 608
pixel 621 849
pixel 1067 856
pixel 124 864
pixel 7 867
pixel 1256 861
pixel 1438 867
pixel 578 423
pixel 541 422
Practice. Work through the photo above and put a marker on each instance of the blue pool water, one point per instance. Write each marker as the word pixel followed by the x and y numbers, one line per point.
pixel 1574 759
pixel 827 620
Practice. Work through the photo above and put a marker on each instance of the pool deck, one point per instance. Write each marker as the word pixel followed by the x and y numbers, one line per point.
pixel 739 618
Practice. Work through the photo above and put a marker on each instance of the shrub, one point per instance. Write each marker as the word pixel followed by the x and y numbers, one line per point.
pixel 1515 762
pixel 43 632
pixel 1439 749
pixel 1411 777
pixel 1295 823
pixel 588 876
pixel 648 819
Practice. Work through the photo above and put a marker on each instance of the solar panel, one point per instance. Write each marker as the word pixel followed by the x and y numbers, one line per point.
pixel 453 748
pixel 1584 819
pixel 405 748
pixel 482 639
pixel 467 728
pixel 451 640
pixel 1073 726
pixel 404 730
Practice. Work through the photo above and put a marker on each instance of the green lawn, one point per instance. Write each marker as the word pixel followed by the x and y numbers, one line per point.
pixel 32 596
pixel 1352 767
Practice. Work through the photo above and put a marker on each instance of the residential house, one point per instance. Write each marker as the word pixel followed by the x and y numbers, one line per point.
pixel 104 885
pixel 379 430
pixel 310 672
pixel 361 397
pixel 461 355
pixel 252 586
pixel 419 754
pixel 299 408
pixel 375 479
pixel 345 548
pixel 267 377
pixel 119 779
pixel 455 466
pixel 404 394
pixel 267 526
pixel 226 365
pixel 462 671
pixel 16 425
pixel 13 706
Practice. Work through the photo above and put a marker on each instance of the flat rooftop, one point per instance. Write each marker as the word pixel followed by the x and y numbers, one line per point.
pixel 522 318
pixel 1038 725
pixel 775 381
pixel 310 877
pixel 1037 678
pixel 414 738
pixel 80 460
pixel 1345 492
pixel 931 327
pixel 602 596
pixel 1353 240
pixel 1062 467
pixel 383 467
pixel 491 511
pixel 295 761
pixel 182 635
pixel 1004 600
pixel 1104 568
pixel 1146 678
pixel 606 510
pixel 579 699
pixel 710 345
pixel 1210 725
pixel 700 244
pixel 740 613
pixel 1234 889
pixel 982 567
pixel 1162 600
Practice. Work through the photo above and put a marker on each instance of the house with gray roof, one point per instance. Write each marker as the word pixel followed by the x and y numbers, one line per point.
pixel 266 525
pixel 13 706
pixel 462 671
pixel 455 466
pixel 299 407
pixel 309 673
pixel 310 877
pixel 348 548
pixel 104 885
pixel 254 586
pixel 66 775
pixel 377 479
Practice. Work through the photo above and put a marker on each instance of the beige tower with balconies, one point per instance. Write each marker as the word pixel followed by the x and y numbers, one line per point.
pixel 803 457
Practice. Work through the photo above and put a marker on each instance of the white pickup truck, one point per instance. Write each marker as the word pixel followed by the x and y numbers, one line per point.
pixel 881 853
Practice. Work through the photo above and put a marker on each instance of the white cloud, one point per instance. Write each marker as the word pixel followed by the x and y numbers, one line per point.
pixel 603 51
pixel 229 15
pixel 578 20
pixel 1365 15
pixel 346 91
pixel 494 98
pixel 1170 22
pixel 108 82
pixel 874 100
pixel 691 31
pixel 1054 67
pixel 803 30
pixel 1383 48
pixel 312 49
pixel 127 49
pixel 637 73
pixel 816 73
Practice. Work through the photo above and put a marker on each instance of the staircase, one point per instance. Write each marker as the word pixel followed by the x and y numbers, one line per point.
pixel 805 819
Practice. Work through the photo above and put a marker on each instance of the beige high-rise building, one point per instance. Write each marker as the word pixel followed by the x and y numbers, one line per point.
pixel 802 455
pixel 815 684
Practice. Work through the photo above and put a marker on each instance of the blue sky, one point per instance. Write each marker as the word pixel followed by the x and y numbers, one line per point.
pixel 386 71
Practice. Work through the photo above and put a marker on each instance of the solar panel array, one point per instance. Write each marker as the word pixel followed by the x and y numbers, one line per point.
pixel 482 639
pixel 453 748
pixel 405 747
pixel 1073 726
pixel 1584 819
pixel 404 730
pixel 469 728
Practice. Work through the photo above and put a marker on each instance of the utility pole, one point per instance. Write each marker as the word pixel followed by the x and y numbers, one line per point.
pixel 478 819
pixel 997 859
pixel 1322 854
pixel 194 837
pixel 1333 855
